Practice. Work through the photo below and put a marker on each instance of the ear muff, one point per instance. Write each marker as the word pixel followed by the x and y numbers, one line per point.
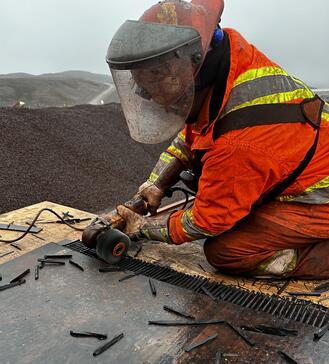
pixel 217 37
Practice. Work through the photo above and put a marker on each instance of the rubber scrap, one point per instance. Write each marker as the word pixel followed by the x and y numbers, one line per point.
pixel 310 294
pixel 36 272
pixel 318 335
pixel 269 330
pixel 186 323
pixel 242 336
pixel 178 313
pixel 283 287
pixel 209 294
pixel 10 285
pixel 220 356
pixel 8 253
pixel 75 264
pixel 324 287
pixel 88 334
pixel 152 286
pixel 129 276
pixel 101 349
pixel 49 261
pixel 58 256
pixel 286 357
pixel 139 249
pixel 110 269
pixel 203 342
pixel 20 276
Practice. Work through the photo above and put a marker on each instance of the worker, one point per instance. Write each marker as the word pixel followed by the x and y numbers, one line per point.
pixel 254 138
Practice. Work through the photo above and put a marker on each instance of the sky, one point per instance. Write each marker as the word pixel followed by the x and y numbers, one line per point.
pixel 45 36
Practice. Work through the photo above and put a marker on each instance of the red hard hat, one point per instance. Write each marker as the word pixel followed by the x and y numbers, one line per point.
pixel 203 15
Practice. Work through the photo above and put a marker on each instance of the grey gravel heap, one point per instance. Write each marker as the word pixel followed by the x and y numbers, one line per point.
pixel 81 156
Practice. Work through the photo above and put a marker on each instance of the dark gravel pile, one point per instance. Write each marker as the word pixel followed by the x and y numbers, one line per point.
pixel 81 157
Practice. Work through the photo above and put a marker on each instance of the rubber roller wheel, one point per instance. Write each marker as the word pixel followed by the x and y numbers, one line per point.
pixel 112 245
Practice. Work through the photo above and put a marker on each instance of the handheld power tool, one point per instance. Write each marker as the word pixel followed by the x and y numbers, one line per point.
pixel 105 232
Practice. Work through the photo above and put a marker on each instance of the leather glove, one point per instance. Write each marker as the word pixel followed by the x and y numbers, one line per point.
pixel 152 195
pixel 133 221
pixel 164 175
pixel 137 226
pixel 90 233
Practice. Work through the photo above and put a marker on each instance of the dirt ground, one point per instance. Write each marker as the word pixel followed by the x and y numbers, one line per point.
pixel 81 156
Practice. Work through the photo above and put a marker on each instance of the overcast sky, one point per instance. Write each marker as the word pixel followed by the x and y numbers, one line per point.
pixel 41 36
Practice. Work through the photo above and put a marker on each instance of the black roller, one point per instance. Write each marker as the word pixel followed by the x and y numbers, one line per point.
pixel 112 245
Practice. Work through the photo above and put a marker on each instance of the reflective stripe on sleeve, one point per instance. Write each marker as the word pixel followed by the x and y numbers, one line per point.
pixel 190 228
pixel 163 162
pixel 178 153
pixel 180 149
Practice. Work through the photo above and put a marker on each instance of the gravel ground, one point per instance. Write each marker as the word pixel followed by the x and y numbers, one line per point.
pixel 81 157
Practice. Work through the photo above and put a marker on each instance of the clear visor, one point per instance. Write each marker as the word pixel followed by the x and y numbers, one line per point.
pixel 156 99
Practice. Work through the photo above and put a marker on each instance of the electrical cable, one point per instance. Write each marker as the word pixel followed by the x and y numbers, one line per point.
pixel 186 192
pixel 34 221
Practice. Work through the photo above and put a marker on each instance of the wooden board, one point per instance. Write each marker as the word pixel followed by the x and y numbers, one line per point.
pixel 50 232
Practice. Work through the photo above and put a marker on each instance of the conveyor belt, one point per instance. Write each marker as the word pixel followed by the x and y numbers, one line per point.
pixel 289 308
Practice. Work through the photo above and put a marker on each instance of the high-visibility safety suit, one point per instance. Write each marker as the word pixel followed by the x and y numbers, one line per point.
pixel 283 237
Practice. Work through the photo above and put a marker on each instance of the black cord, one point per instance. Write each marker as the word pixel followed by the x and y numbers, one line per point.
pixel 186 192
pixel 34 221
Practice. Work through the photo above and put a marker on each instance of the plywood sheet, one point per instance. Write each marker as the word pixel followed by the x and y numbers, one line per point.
pixel 50 232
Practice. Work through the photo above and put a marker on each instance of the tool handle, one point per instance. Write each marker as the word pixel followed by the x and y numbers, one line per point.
pixel 136 204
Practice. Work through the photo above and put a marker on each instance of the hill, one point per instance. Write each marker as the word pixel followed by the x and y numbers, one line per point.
pixel 52 90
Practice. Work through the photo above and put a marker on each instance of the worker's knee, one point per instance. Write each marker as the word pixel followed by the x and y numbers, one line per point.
pixel 220 254
pixel 211 250
pixel 233 256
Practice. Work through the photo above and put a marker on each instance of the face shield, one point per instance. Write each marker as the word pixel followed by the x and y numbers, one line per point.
pixel 153 72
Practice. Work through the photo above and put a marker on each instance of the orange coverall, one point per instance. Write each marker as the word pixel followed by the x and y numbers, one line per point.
pixel 284 237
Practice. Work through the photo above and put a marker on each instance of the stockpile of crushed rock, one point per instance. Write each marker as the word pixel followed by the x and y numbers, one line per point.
pixel 82 157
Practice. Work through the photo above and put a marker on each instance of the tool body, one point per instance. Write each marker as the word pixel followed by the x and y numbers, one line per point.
pixel 105 232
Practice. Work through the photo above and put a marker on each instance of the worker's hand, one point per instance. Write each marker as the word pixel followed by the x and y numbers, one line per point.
pixel 133 221
pixel 152 195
